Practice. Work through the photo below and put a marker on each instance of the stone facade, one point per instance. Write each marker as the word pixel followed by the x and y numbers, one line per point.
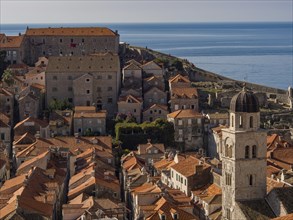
pixel 152 69
pixel 88 121
pixel 69 42
pixel 6 102
pixel 85 81
pixel 154 112
pixel 188 126
pixel 29 106
pixel 154 96
pixel 130 105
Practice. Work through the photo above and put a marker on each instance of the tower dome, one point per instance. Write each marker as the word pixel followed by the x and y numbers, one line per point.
pixel 244 101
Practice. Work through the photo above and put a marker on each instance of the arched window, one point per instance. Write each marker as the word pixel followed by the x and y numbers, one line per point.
pixel 253 151
pixel 250 180
pixel 226 150
pixel 246 152
pixel 232 121
pixel 240 122
pixel 251 121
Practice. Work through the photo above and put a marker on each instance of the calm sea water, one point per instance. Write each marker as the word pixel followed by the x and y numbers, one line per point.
pixel 256 52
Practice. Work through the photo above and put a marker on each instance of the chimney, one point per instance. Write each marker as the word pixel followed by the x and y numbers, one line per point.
pixel 198 168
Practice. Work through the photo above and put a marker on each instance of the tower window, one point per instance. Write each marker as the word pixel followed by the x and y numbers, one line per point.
pixel 232 121
pixel 246 152
pixel 250 180
pixel 240 122
pixel 228 213
pixel 253 151
pixel 228 179
pixel 251 122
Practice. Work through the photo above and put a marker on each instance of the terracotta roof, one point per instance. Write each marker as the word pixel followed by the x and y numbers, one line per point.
pixel 213 199
pixel 132 162
pixel 5 92
pixel 218 115
pixel 38 86
pixel 4 120
pixel 130 99
pixel 167 208
pixel 98 114
pixel 157 106
pixel 185 113
pixel 272 170
pixel 39 122
pixel 12 42
pixel 164 164
pixel 271 184
pixel 107 62
pixel 70 31
pixel 143 148
pixel 184 92
pixel 91 109
pixel 208 190
pixel 283 155
pixel 146 188
pixel 26 165
pixel 179 78
pixel 151 89
pixel 188 166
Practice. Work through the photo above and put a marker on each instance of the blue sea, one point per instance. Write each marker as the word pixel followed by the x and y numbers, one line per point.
pixel 255 52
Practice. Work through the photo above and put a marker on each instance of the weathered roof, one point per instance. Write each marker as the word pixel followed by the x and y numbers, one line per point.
pixel 157 106
pixel 12 42
pixel 184 92
pixel 188 166
pixel 107 62
pixel 244 101
pixel 130 99
pixel 256 209
pixel 185 113
pixel 179 78
pixel 70 31
pixel 143 148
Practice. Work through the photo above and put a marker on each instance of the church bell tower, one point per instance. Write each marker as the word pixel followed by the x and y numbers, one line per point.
pixel 244 154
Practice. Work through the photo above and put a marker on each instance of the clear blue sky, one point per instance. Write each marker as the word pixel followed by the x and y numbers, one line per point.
pixel 95 11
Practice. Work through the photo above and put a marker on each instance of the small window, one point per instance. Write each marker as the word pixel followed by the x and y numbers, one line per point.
pixel 109 77
pixel 151 112
pixel 82 40
pixel 44 53
pixel 254 151
pixel 232 121
pixel 60 40
pixel 110 100
pixel 251 121
pixel 88 103
pixel 246 152
pixel 71 40
pixel 160 111
pixel 250 180
pixel 180 122
pixel 228 213
pixel 134 110
pixel 87 80
pixel 70 100
pixel 55 78
pixel 88 91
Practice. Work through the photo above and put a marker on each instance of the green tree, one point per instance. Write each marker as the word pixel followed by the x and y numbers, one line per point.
pixel 7 77
pixel 59 105
pixel 178 65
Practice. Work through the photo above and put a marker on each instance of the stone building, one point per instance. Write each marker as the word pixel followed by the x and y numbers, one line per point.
pixel 152 69
pixel 61 122
pixel 188 126
pixel 29 106
pixel 154 112
pixel 184 98
pixel 14 47
pixel 66 41
pixel 88 121
pixel 6 102
pixel 130 105
pixel 154 96
pixel 153 81
pixel 85 80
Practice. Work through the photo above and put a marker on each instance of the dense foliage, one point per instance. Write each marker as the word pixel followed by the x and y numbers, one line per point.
pixel 3 64
pixel 132 134
pixel 7 77
pixel 59 105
